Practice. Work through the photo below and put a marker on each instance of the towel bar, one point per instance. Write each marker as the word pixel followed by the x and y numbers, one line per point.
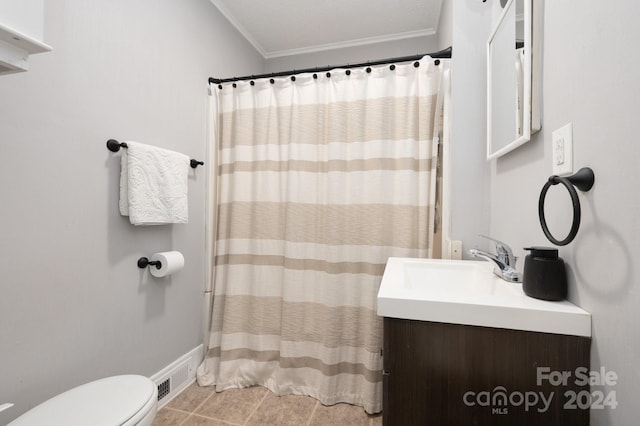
pixel 114 146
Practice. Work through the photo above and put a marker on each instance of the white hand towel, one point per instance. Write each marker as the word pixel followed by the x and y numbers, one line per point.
pixel 153 185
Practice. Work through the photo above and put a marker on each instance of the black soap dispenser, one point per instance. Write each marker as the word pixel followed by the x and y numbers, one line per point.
pixel 544 274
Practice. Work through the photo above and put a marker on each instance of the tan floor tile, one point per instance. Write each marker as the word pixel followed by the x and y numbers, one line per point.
pixel 195 420
pixel 340 415
pixel 376 420
pixel 289 410
pixel 232 405
pixel 191 398
pixel 168 417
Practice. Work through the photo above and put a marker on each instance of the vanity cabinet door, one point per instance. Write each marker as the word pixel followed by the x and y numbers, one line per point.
pixel 451 374
pixel 414 389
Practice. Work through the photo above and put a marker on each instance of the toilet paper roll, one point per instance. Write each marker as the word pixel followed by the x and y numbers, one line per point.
pixel 170 262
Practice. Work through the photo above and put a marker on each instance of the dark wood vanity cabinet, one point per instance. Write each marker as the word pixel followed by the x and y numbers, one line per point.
pixel 451 374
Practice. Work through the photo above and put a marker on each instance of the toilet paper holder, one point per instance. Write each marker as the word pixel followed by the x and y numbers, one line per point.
pixel 166 263
pixel 143 262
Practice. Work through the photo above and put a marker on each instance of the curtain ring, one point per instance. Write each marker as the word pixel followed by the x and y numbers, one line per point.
pixel 575 225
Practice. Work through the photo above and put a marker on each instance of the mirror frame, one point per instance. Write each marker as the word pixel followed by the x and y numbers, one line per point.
pixel 530 111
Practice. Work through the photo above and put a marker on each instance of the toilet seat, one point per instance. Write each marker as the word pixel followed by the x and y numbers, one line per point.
pixel 114 401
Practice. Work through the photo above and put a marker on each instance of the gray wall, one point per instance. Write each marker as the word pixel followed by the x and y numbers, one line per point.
pixel 445 25
pixel 590 78
pixel 73 305
pixel 470 191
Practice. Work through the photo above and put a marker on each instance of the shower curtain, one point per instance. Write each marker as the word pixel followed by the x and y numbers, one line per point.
pixel 320 179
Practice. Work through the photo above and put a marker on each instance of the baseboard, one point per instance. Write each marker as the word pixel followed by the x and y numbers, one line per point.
pixel 175 377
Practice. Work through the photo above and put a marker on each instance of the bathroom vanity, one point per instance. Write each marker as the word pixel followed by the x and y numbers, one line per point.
pixel 463 347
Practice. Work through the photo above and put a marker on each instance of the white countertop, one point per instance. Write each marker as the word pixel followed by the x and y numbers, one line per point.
pixel 467 292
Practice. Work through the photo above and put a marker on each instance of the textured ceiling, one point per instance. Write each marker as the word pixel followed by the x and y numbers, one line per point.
pixel 286 27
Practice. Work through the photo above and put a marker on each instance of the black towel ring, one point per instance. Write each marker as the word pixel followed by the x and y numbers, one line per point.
pixel 583 180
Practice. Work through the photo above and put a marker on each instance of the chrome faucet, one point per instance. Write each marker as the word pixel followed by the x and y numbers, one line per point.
pixel 504 260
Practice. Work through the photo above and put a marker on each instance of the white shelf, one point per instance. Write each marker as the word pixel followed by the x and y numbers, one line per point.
pixel 22 41
pixel 15 48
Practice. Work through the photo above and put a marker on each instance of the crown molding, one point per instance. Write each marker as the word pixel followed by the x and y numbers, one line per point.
pixel 350 43
pixel 245 33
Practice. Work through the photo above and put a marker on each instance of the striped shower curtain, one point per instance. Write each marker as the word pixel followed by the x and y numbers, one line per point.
pixel 319 181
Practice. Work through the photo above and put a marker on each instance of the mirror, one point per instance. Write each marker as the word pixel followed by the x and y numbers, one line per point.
pixel 512 114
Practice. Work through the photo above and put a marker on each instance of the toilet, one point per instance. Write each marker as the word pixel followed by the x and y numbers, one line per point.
pixel 114 401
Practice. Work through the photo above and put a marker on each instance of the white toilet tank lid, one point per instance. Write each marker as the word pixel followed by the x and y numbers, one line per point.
pixel 111 401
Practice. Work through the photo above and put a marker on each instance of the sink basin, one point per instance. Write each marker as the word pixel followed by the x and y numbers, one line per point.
pixel 467 292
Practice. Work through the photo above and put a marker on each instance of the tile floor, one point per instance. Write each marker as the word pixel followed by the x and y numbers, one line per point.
pixel 256 406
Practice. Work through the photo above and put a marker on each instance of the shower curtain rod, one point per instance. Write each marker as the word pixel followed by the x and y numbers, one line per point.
pixel 442 54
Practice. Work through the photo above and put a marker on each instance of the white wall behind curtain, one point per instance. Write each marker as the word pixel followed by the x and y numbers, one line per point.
pixel 320 180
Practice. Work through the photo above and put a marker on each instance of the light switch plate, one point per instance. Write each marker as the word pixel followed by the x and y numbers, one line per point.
pixel 562 150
